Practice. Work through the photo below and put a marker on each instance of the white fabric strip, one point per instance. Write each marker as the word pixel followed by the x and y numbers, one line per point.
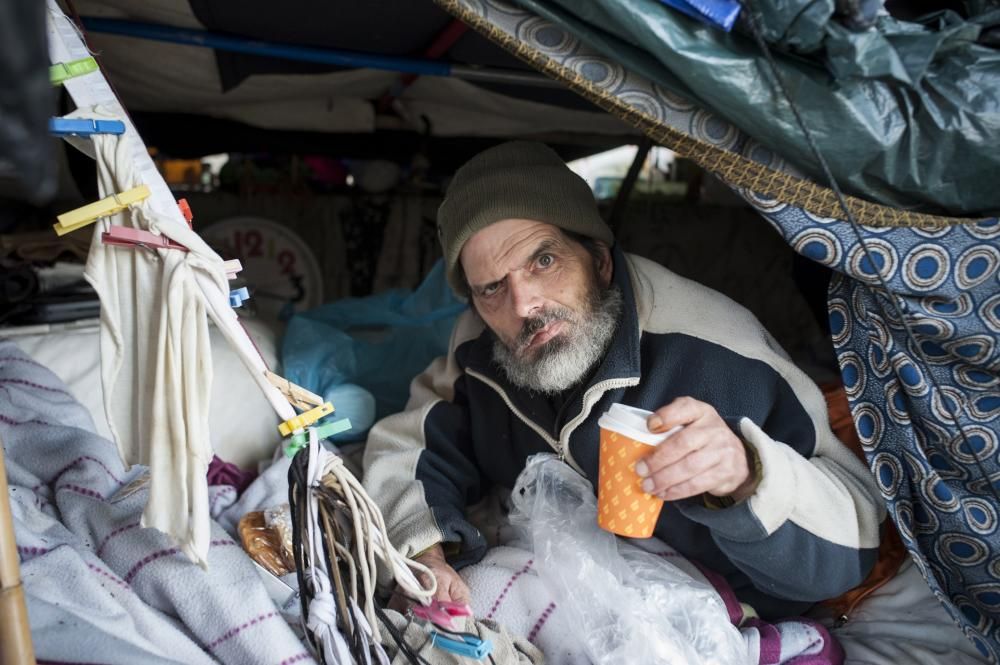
pixel 156 362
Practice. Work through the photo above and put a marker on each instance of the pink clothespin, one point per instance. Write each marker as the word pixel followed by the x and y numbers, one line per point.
pixel 186 211
pixel 441 612
pixel 125 236
pixel 232 266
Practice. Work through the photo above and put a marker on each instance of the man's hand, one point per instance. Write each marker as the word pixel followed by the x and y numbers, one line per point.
pixel 705 456
pixel 450 586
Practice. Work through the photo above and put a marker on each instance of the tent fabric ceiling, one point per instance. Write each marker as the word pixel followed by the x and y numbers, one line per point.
pixel 386 27
pixel 275 94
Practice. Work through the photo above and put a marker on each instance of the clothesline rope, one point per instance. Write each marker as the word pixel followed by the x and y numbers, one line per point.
pixel 340 538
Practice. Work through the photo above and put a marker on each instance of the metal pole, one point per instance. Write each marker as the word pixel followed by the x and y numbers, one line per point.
pixel 15 633
pixel 327 56
pixel 621 201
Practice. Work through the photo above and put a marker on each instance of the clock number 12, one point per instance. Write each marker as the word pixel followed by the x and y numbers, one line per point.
pixel 248 243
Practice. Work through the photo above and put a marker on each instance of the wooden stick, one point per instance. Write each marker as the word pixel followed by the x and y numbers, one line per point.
pixel 297 396
pixel 15 633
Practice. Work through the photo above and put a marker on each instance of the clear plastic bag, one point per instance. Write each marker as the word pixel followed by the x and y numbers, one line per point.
pixel 263 543
pixel 279 519
pixel 630 606
pixel 379 343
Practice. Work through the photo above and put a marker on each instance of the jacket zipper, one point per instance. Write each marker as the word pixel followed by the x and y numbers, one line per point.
pixel 560 446
pixel 600 387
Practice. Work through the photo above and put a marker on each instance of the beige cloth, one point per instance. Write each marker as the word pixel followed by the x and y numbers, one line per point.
pixel 902 622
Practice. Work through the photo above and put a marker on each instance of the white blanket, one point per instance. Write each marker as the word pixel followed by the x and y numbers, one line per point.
pixel 99 587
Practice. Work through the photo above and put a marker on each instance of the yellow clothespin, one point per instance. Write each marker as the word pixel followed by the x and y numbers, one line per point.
pixel 90 213
pixel 297 396
pixel 306 419
pixel 62 71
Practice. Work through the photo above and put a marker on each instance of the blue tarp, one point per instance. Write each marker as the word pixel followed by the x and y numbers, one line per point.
pixel 907 113
pixel 379 342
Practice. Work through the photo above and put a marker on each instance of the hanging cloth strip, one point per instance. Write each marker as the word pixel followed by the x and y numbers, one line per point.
pixel 155 354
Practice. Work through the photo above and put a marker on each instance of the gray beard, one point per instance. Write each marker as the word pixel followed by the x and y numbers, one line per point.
pixel 564 360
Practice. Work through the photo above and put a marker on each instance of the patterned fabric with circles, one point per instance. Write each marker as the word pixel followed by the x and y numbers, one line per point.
pixel 936 483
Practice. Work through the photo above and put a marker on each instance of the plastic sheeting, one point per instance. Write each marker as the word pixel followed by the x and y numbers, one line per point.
pixel 906 113
pixel 379 342
pixel 628 605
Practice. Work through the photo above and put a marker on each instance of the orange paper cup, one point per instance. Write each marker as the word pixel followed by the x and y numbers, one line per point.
pixel 622 506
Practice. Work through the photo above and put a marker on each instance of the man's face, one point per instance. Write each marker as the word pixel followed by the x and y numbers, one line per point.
pixel 546 299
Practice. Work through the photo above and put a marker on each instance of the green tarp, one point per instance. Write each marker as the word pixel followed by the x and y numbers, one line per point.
pixel 906 113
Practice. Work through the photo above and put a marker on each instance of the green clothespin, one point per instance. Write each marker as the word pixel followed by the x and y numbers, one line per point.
pixel 297 442
pixel 61 71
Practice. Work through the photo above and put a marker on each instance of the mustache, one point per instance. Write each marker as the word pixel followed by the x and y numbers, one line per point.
pixel 539 321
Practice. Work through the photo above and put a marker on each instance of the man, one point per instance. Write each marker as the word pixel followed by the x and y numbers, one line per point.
pixel 562 325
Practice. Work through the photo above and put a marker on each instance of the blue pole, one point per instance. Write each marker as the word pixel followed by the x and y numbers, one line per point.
pixel 352 59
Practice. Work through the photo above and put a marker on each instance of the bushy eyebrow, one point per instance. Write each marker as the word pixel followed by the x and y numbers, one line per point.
pixel 544 247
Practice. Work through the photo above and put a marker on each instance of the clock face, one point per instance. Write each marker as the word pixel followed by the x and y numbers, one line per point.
pixel 279 269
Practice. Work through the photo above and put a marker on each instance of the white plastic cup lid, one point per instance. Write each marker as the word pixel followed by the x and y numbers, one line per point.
pixel 631 422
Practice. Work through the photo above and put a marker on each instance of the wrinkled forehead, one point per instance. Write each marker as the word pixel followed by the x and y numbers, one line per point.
pixel 504 246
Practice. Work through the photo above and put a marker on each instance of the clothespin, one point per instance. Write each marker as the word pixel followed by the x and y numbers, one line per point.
pixel 90 213
pixel 186 211
pixel 84 126
pixel 304 420
pixel 465 645
pixel 125 236
pixel 232 267
pixel 299 441
pixel 62 71
pixel 297 396
pixel 237 297
pixel 442 613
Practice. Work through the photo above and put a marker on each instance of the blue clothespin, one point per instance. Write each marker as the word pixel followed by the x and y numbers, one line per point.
pixel 719 13
pixel 237 297
pixel 84 126
pixel 466 645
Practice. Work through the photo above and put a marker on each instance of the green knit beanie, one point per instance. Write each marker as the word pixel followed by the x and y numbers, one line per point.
pixel 515 180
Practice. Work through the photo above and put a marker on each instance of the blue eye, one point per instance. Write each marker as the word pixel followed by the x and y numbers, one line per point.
pixel 545 260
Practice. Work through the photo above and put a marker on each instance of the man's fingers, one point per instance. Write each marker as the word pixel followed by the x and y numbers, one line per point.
pixel 682 411
pixel 460 591
pixel 399 602
pixel 692 487
pixel 694 464
pixel 450 585
pixel 443 593
pixel 710 470
pixel 673 449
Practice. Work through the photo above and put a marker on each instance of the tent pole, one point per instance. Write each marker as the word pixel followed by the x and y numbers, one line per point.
pixel 337 57
pixel 15 635
pixel 621 201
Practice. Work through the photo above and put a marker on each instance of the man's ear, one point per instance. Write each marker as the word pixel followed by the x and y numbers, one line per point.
pixel 605 266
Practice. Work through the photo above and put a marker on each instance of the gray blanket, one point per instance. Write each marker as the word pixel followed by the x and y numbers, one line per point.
pixel 100 588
